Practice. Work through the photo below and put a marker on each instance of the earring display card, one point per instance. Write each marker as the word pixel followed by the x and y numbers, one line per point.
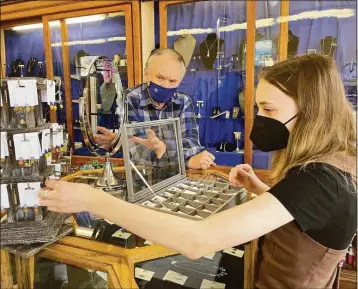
pixel 22 92
pixel 27 146
pixel 5 204
pixel 28 194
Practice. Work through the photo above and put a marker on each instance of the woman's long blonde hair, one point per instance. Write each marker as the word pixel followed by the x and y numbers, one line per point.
pixel 325 123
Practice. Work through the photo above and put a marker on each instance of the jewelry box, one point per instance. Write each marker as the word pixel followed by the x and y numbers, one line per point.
pixel 162 184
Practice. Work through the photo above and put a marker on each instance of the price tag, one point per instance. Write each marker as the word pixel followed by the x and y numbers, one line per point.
pixel 28 193
pixel 4 145
pixel 50 92
pixel 45 140
pixel 175 277
pixel 4 197
pixel 234 252
pixel 143 274
pixel 121 234
pixel 210 256
pixel 207 284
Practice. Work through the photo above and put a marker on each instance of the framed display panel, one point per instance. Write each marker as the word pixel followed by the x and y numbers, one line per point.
pixel 122 44
pixel 160 172
pixel 235 28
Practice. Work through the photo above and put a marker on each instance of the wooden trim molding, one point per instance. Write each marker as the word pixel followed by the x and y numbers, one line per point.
pixel 48 58
pixel 67 79
pixel 41 8
pixel 137 42
pixel 283 34
pixel 250 79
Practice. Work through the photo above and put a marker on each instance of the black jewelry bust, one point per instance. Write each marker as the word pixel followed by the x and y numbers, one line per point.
pixel 292 44
pixel 209 50
pixel 242 52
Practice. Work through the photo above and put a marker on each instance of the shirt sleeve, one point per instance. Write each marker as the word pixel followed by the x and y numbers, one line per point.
pixel 189 131
pixel 310 195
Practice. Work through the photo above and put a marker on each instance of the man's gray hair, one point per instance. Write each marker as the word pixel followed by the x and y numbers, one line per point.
pixel 169 51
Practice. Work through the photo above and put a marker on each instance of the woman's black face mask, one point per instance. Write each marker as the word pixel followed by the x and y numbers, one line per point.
pixel 269 134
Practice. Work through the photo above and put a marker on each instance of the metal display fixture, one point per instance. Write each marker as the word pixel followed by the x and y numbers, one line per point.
pixel 108 181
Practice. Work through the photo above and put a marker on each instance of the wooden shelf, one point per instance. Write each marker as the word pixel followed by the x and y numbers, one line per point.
pixel 348 279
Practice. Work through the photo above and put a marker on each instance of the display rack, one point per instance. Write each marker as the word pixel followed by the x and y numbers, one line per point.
pixel 23 221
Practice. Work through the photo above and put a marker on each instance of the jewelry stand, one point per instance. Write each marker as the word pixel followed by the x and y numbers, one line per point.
pixel 108 181
pixel 237 135
pixel 199 104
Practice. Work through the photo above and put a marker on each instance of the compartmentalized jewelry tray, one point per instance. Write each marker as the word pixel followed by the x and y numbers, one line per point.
pixel 166 187
pixel 196 199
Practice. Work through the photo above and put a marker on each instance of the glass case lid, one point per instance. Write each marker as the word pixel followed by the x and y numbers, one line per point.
pixel 153 156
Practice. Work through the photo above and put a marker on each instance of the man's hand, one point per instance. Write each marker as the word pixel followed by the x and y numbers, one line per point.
pixel 202 161
pixel 105 138
pixel 152 142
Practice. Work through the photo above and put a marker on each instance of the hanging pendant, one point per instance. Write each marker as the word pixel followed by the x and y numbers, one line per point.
pixel 208 54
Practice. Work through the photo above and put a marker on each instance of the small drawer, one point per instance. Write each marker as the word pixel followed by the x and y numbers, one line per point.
pixel 221 185
pixel 210 207
pixel 183 211
pixel 168 194
pixel 184 186
pixel 196 204
pixel 235 188
pixel 171 201
pixel 202 214
pixel 150 204
pixel 189 207
pixel 174 189
pixel 187 211
pixel 230 192
pixel 210 194
pixel 179 200
pixel 202 199
pixel 191 192
pixel 225 196
pixel 168 206
pixel 184 196
pixel 158 199
pixel 218 202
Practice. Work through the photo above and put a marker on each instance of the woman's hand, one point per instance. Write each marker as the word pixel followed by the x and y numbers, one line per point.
pixel 60 196
pixel 243 175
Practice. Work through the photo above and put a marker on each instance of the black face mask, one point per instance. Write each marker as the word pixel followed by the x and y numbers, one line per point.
pixel 269 134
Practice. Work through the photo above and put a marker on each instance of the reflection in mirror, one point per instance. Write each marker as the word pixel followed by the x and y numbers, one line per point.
pixel 56 275
pixel 91 36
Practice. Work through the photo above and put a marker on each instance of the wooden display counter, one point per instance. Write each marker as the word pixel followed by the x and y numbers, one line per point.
pixel 118 263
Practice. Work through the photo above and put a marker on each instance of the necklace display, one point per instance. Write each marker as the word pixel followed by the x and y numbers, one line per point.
pixel 334 44
pixel 208 49
pixel 221 273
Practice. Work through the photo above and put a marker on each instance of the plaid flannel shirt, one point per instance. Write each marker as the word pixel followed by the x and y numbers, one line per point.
pixel 140 109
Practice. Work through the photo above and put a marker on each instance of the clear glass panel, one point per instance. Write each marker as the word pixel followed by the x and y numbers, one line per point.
pixel 56 275
pixel 24 45
pixel 331 31
pixel 98 35
pixel 152 165
pixel 57 62
pixel 215 69
pixel 266 54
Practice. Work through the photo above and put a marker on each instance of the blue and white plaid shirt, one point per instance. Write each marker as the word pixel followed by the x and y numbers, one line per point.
pixel 141 108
